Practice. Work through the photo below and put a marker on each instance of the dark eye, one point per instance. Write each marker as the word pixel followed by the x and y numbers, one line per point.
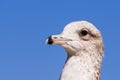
pixel 84 32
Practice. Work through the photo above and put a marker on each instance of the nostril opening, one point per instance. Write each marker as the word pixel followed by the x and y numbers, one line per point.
pixel 55 37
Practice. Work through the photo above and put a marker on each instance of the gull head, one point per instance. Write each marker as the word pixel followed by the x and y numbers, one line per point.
pixel 78 37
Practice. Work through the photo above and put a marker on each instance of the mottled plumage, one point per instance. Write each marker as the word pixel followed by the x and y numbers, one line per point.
pixel 84 46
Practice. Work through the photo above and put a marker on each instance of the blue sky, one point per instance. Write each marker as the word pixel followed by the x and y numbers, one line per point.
pixel 25 25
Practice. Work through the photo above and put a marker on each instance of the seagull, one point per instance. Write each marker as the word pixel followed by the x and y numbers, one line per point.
pixel 84 46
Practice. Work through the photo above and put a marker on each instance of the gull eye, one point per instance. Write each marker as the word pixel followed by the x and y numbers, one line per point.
pixel 84 32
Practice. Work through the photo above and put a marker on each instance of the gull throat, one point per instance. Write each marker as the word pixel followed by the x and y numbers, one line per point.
pixel 81 67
